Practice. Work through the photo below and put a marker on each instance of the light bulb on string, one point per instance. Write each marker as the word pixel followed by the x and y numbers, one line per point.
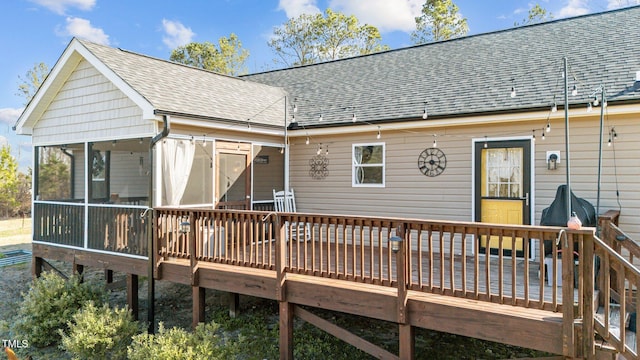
pixel 293 118
pixel 595 101
pixel 295 108
pixel 589 107
pixel 554 108
pixel 307 141
pixel 378 135
pixel 513 92
pixel 574 90
pixel 326 150
pixel 424 113
pixel 282 150
pixel 534 135
pixel 543 135
pixel 609 142
pixel 435 143
pixel 320 117
pixel 354 118
pixel 319 149
pixel 486 145
pixel 548 128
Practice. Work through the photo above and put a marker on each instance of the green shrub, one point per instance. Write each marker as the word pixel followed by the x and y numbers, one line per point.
pixel 178 344
pixel 100 332
pixel 50 304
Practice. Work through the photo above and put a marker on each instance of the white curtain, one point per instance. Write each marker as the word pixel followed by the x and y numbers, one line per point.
pixel 177 159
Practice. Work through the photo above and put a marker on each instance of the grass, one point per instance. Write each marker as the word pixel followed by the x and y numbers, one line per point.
pixel 15 227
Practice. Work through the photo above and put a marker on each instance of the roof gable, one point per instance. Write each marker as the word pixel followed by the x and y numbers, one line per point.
pixel 64 67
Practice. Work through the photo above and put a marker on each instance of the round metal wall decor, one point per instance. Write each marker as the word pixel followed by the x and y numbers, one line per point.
pixel 318 167
pixel 432 162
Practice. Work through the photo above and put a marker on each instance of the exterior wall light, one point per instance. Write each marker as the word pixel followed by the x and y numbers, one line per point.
pixel 185 227
pixel 553 159
pixel 552 162
pixel 395 242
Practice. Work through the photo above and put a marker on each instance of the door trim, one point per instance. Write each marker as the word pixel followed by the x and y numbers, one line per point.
pixel 475 214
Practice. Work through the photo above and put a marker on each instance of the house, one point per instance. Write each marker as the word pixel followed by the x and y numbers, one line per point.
pixel 481 129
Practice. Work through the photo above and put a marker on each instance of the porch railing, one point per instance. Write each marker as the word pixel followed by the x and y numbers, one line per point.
pixel 441 257
pixel 616 318
pixel 112 228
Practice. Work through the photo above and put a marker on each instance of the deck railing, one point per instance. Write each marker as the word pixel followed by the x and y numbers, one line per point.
pixel 440 257
pixel 111 228
pixel 618 283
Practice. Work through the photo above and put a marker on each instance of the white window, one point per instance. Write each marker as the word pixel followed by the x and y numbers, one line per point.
pixel 368 165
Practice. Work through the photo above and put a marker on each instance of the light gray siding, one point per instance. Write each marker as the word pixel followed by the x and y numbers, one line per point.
pixel 90 107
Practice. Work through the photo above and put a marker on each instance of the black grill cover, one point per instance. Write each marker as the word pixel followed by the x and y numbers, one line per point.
pixel 556 213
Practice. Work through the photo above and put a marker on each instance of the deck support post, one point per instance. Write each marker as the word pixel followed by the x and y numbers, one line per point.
pixel 234 305
pixel 198 295
pixel 132 294
pixel 401 274
pixel 36 266
pixel 108 276
pixel 77 269
pixel 407 341
pixel 286 330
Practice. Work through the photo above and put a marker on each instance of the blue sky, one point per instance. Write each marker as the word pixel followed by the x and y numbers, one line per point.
pixel 34 31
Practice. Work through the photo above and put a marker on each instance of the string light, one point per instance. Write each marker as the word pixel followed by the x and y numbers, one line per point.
pixel 193 141
pixel 534 135
pixel 574 90
pixel 424 114
pixel 548 128
pixel 326 150
pixel 319 149
pixel 204 140
pixel 295 108
pixel 307 141
pixel 513 89
pixel 486 145
pixel 589 107
pixel 293 118
pixel 282 150
pixel 554 108
pixel 379 135
pixel 543 136
pixel 320 117
pixel 435 144
pixel 354 118
pixel 595 101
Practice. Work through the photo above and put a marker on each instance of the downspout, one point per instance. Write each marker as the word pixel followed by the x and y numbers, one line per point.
pixel 151 252
pixel 604 100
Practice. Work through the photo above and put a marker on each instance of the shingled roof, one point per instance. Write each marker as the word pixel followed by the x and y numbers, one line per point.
pixel 474 74
pixel 180 89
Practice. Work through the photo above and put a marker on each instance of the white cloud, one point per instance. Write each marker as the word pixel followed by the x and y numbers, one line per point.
pixel 614 4
pixel 386 15
pixel 574 8
pixel 60 6
pixel 81 28
pixel 295 8
pixel 176 34
pixel 10 115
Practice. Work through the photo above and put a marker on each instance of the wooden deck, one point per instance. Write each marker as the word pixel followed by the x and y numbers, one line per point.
pixel 437 280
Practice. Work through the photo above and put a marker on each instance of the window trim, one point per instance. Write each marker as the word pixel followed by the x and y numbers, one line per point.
pixel 381 165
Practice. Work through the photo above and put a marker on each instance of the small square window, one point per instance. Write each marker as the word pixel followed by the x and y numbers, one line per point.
pixel 368 165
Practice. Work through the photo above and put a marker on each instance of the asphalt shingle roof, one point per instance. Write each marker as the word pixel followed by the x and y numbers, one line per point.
pixel 474 74
pixel 177 88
